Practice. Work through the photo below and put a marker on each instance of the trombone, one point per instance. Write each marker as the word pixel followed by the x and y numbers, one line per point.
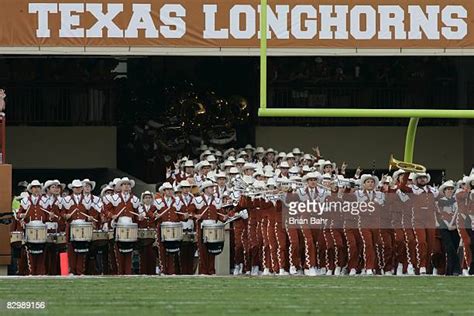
pixel 407 166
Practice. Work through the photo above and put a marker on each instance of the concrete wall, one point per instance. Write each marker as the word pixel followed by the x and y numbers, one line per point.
pixel 62 147
pixel 447 148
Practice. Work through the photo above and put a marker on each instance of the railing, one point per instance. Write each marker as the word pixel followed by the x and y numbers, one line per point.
pixel 66 104
pixel 369 95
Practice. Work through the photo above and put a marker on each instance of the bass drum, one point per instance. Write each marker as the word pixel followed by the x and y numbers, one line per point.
pixel 213 236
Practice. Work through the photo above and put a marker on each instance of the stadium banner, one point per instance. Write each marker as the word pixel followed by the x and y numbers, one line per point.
pixel 225 23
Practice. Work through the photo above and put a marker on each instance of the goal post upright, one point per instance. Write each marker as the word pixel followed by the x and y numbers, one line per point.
pixel 413 114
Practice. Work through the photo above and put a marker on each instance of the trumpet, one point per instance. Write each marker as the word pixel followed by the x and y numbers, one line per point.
pixel 407 166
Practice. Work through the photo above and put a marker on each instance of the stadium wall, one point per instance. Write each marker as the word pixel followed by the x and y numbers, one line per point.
pixel 62 147
pixel 448 148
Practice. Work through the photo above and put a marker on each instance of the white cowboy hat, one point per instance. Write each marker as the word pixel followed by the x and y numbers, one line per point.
pixel 202 164
pixel 388 179
pixel 248 166
pixel 307 157
pixel 296 178
pixel 241 154
pixel 239 161
pixel 268 168
pixel 206 184
pixel 294 169
pixel 281 155
pixel 249 147
pixel 165 186
pixel 269 174
pixel 468 180
pixel 422 174
pixel 105 189
pixel 203 147
pixel 211 158
pixel 49 183
pixel 271 182
pixel 311 175
pixel 234 170
pixel 91 183
pixel 397 174
pixel 296 151
pixel 447 184
pixel 115 181
pixel 125 180
pixel 270 150
pixel 290 155
pixel 258 172
pixel 189 163
pixel 75 184
pixel 184 184
pixel 34 183
pixel 368 176
pixel 306 168
pixel 218 153
pixel 220 174
pixel 229 151
pixel 146 193
pixel 227 163
pixel 205 154
pixel 284 164
pixel 231 158
pixel 259 150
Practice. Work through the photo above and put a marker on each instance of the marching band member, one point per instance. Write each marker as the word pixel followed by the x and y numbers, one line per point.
pixel 188 249
pixel 109 264
pixel 464 197
pixel 386 233
pixel 122 207
pixel 31 210
pixel 166 208
pixel 447 209
pixel 52 202
pixel 206 207
pixel 147 253
pixel 76 210
pixel 369 220
pixel 93 258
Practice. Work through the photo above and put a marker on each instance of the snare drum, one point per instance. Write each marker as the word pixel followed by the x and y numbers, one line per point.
pixel 171 235
pixel 60 239
pixel 35 232
pixel 81 235
pixel 126 234
pixel 213 236
pixel 146 236
pixel 35 236
pixel 16 239
pixel 81 230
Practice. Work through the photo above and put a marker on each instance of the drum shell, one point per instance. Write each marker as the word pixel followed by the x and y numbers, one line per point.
pixel 213 233
pixel 100 238
pixel 16 239
pixel 126 233
pixel 35 232
pixel 171 231
pixel 81 231
pixel 146 236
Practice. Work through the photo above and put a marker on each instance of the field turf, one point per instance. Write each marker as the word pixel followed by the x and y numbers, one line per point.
pixel 140 296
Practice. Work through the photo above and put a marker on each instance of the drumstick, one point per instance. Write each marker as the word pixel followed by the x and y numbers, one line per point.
pixel 121 211
pixel 50 213
pixel 136 214
pixel 161 214
pixel 89 216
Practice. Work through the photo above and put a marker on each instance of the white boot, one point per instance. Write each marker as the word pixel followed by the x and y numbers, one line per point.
pixel 312 271
pixel 435 271
pixel 345 271
pixel 337 271
pixel 369 272
pixel 323 271
pixel 362 272
pixel 254 271
pixel 329 272
pixel 293 270
pixel 388 273
pixel 237 269
pixel 465 272
pixel 353 272
pixel 157 270
pixel 318 271
pixel 422 270
pixel 266 271
pixel 241 269
pixel 306 271
pixel 400 269
pixel 283 272
pixel 410 270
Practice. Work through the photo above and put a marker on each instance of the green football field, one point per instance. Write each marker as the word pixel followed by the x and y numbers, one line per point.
pixel 241 296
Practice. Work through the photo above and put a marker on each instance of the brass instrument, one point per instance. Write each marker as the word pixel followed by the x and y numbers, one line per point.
pixel 407 166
